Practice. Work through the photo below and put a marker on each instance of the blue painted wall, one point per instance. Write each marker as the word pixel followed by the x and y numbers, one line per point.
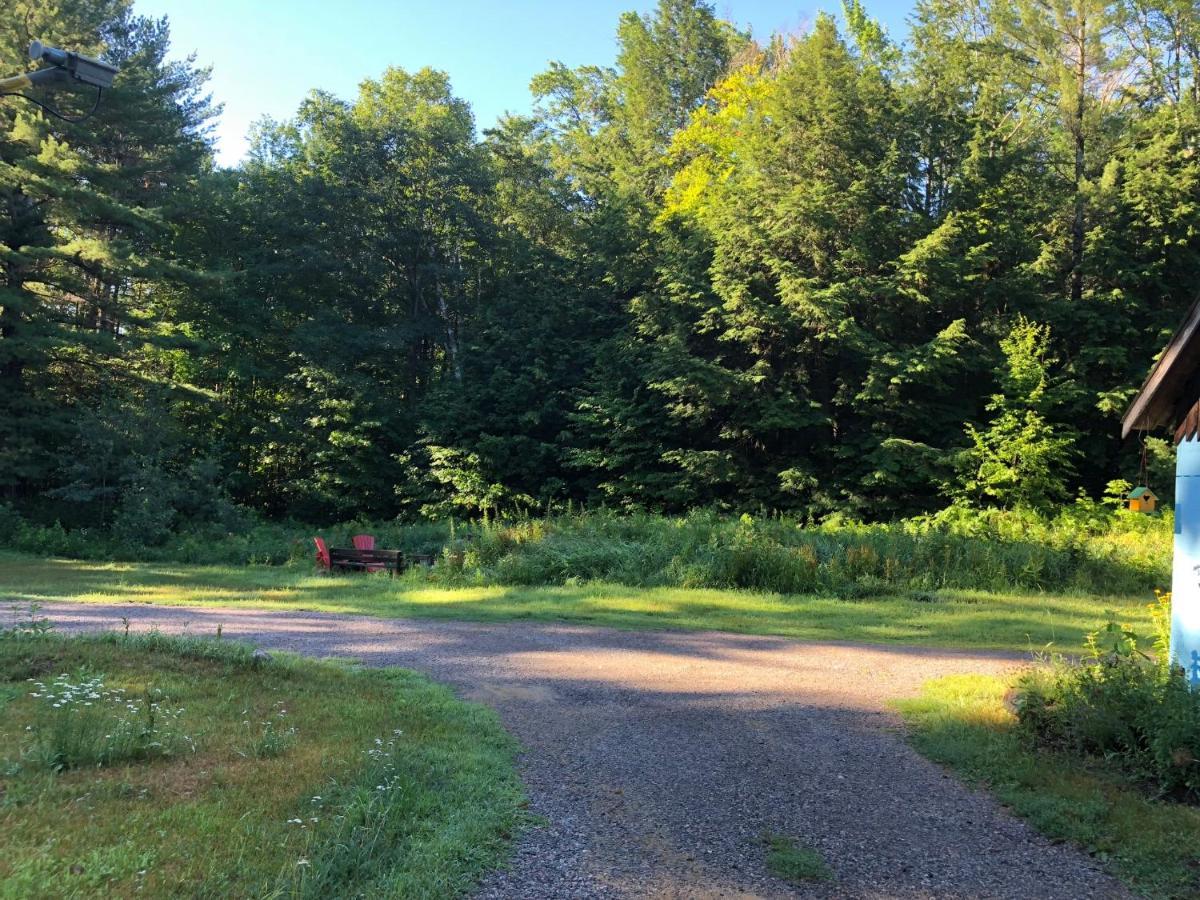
pixel 1185 577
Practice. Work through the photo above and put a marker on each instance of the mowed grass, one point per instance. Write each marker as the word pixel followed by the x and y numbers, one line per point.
pixel 301 813
pixel 1152 845
pixel 975 619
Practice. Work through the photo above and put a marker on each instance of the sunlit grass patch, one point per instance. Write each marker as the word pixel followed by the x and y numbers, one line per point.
pixel 962 722
pixel 947 618
pixel 275 792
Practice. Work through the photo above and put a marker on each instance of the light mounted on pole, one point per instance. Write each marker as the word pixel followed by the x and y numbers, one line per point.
pixel 65 66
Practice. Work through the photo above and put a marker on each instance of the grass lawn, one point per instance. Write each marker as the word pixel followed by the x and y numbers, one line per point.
pixel 283 777
pixel 1153 846
pixel 948 618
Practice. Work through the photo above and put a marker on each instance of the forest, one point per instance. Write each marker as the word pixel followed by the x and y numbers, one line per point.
pixel 832 272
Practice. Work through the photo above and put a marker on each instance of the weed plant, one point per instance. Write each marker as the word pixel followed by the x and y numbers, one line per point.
pixel 1122 706
pixel 81 721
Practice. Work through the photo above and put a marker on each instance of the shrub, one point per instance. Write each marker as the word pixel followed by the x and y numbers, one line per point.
pixel 1086 548
pixel 1119 705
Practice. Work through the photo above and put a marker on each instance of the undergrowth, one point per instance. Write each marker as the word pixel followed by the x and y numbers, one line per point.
pixel 1085 548
pixel 1120 706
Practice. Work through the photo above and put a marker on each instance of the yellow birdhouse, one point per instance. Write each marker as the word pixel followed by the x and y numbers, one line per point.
pixel 1142 499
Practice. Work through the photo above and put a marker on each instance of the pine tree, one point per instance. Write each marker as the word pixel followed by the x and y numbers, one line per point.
pixel 86 231
pixel 1020 459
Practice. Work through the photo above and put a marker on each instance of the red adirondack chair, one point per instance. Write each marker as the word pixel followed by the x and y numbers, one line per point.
pixel 366 542
pixel 322 553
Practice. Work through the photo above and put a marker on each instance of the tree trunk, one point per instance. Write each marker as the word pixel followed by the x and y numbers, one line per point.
pixel 1077 224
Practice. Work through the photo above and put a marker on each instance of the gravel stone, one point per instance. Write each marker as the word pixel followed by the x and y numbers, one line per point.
pixel 659 759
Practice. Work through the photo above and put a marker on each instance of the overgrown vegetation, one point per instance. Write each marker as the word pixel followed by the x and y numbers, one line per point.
pixel 385 785
pixel 84 722
pixel 1086 547
pixel 1104 752
pixel 1121 706
pixel 955 550
pixel 832 272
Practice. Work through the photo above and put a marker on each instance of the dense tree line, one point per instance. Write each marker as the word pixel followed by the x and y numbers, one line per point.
pixel 832 271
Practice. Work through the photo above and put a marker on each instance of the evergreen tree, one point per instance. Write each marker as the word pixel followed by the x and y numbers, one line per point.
pixel 1020 459
pixel 715 273
pixel 86 214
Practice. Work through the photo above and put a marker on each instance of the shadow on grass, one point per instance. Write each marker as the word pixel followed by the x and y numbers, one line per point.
pixel 1014 622
pixel 649 743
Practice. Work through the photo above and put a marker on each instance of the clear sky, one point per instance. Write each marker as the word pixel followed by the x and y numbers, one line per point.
pixel 267 54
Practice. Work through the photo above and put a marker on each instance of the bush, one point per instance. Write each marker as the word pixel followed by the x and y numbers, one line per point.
pixel 1119 705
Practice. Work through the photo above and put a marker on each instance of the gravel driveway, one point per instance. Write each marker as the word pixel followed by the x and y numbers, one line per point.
pixel 659 759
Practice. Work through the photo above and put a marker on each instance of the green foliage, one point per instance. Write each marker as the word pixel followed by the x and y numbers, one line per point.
pixel 717 273
pixel 461 474
pixel 1119 705
pixel 1020 460
pixel 962 722
pixel 795 863
pixel 1082 549
pixel 1086 547
pixel 88 267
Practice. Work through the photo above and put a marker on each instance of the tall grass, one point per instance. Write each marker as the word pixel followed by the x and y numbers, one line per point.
pixel 328 814
pixel 83 722
pixel 1085 548
pixel 1117 553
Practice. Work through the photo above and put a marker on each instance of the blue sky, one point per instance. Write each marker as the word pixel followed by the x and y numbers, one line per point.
pixel 267 54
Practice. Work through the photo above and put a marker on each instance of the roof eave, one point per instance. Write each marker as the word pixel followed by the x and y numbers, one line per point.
pixel 1157 401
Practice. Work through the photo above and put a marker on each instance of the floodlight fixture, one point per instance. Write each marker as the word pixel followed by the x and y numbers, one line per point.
pixel 87 69
pixel 65 65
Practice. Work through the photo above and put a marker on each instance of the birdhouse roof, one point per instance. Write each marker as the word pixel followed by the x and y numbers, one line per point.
pixel 1172 386
pixel 1139 492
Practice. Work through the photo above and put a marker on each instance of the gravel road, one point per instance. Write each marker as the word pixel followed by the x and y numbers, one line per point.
pixel 659 759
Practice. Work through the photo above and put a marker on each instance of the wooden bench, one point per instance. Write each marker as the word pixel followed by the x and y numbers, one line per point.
pixel 342 559
pixel 351 559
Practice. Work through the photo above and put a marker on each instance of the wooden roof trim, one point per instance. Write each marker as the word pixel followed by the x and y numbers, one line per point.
pixel 1158 401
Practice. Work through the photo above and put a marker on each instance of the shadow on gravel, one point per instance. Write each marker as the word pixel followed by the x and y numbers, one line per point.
pixel 660 759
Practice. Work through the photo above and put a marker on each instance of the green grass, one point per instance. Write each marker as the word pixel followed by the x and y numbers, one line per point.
pixel 792 862
pixel 1013 621
pixel 241 814
pixel 1084 547
pixel 1152 845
